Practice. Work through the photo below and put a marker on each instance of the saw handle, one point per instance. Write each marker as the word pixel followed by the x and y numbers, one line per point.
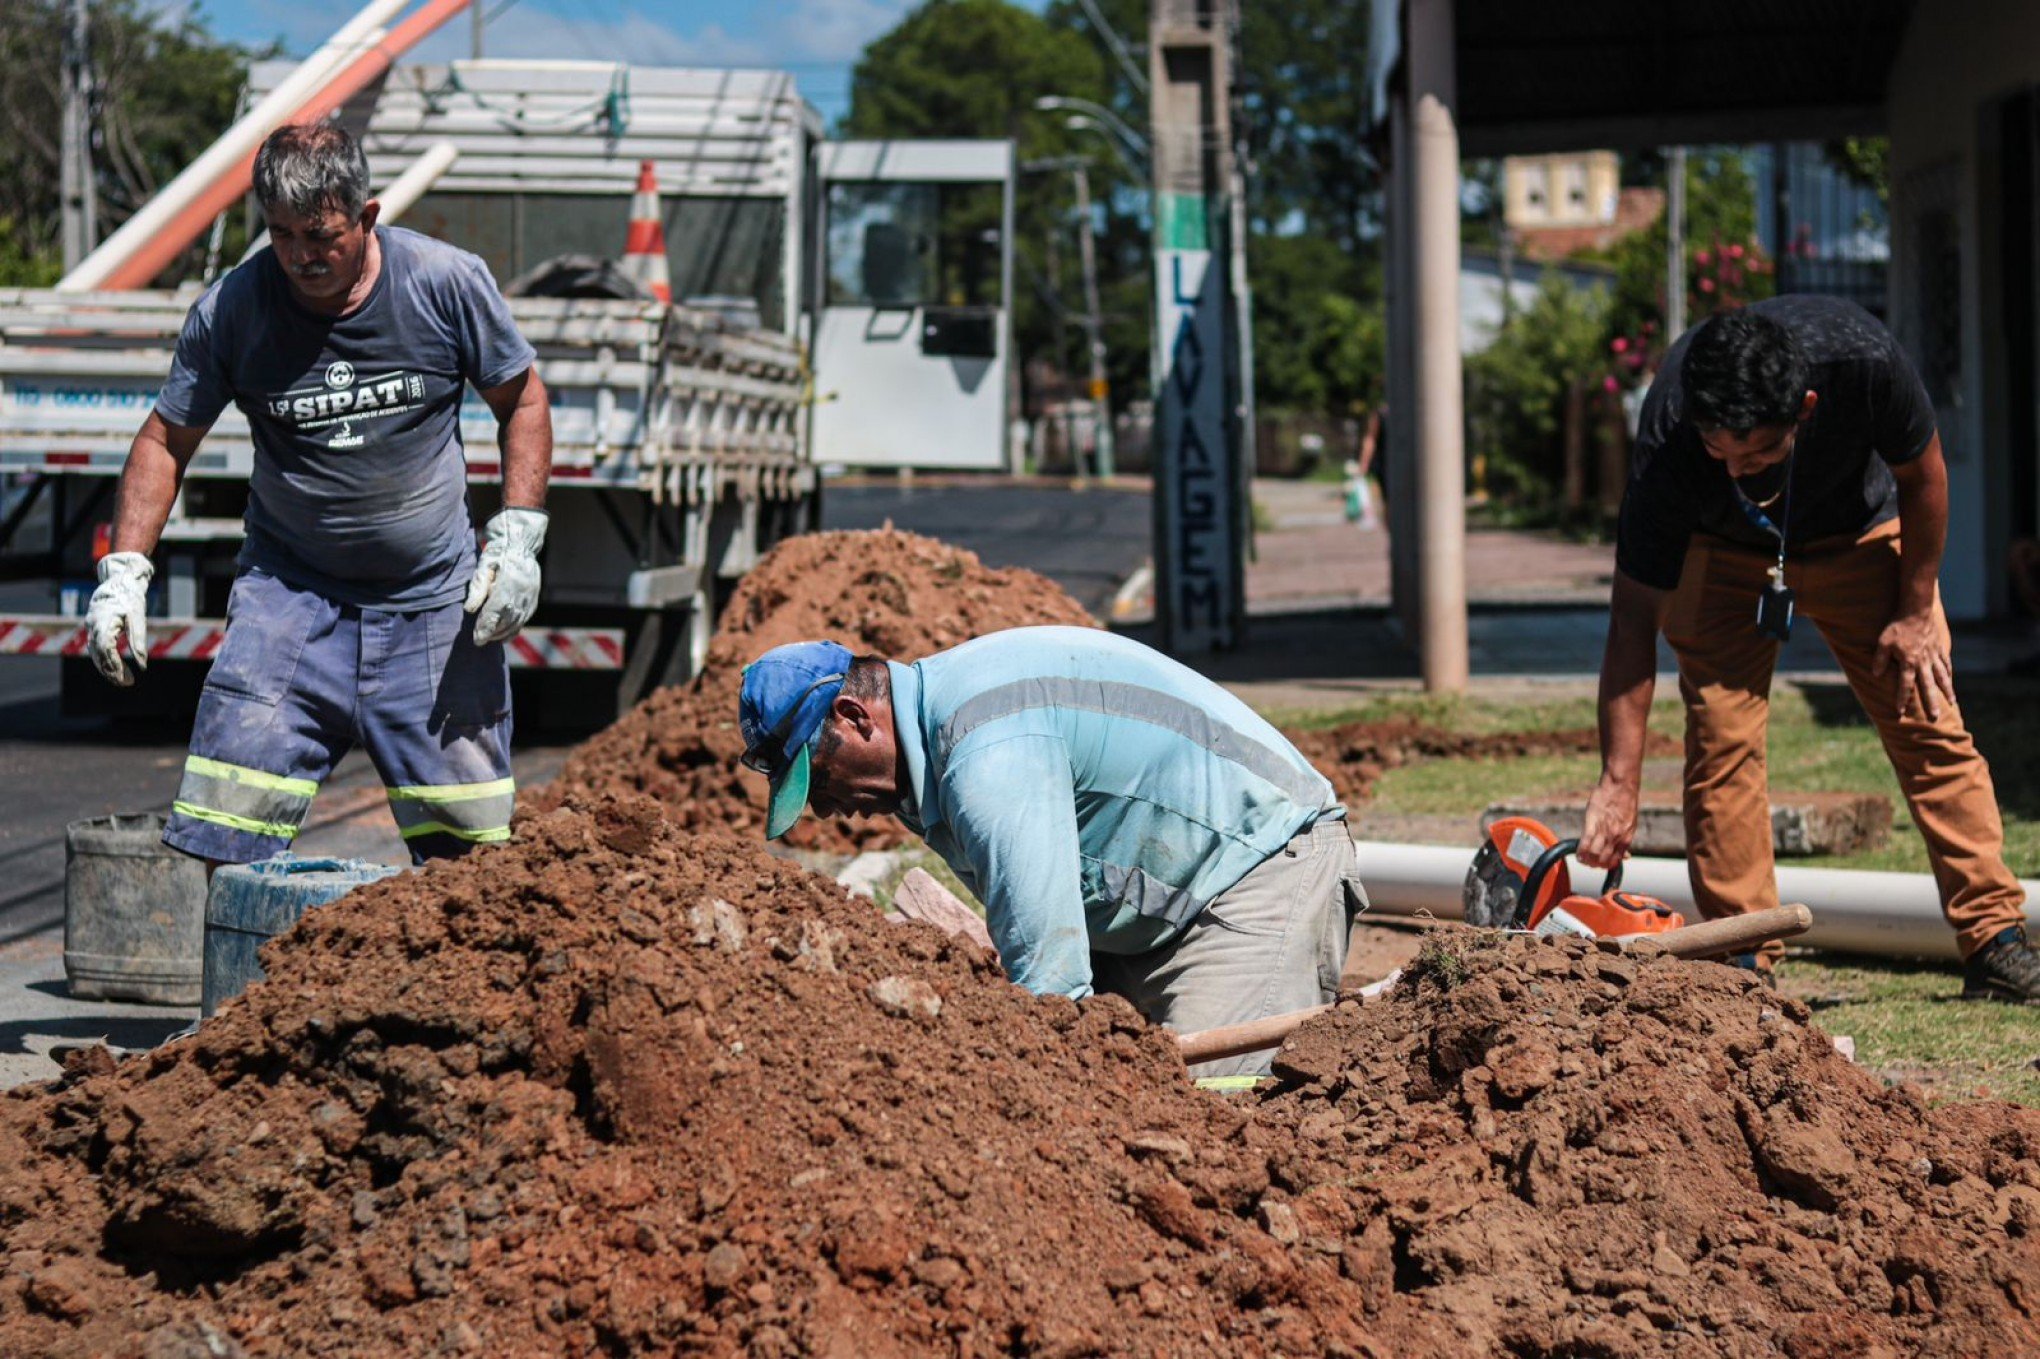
pixel 1534 882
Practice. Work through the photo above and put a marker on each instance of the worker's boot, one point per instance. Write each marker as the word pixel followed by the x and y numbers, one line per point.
pixel 1749 962
pixel 2007 968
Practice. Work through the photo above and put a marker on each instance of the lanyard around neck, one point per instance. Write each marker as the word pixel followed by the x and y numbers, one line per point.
pixel 1755 514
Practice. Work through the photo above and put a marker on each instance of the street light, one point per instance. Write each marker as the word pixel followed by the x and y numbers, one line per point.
pixel 1054 103
pixel 1094 322
pixel 1077 122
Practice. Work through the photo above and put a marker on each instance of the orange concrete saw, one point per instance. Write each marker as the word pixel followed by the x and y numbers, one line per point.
pixel 1519 881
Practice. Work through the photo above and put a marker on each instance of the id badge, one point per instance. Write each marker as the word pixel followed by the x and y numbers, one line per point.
pixel 1774 611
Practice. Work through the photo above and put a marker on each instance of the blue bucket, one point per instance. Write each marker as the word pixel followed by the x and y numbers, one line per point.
pixel 250 904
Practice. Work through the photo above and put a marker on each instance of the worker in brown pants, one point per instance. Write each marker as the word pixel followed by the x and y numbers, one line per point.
pixel 1787 463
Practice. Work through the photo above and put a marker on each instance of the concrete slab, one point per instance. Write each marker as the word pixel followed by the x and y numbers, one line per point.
pixel 37 1013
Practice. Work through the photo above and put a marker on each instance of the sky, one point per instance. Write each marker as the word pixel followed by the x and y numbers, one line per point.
pixel 817 40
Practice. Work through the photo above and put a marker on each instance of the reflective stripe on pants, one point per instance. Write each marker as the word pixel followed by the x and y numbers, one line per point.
pixel 478 813
pixel 244 799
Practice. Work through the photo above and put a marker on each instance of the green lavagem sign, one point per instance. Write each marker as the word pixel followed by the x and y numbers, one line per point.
pixel 1196 552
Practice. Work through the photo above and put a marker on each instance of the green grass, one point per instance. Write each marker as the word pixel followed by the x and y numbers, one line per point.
pixel 1904 1017
pixel 1909 1025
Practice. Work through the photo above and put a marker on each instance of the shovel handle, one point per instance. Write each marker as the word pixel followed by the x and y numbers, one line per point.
pixel 1731 934
pixel 1735 934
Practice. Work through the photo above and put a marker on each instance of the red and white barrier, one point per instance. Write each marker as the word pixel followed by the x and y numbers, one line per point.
pixel 197 639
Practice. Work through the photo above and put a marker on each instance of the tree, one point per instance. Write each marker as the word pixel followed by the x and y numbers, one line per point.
pixel 167 88
pixel 1304 73
pixel 1318 331
pixel 973 68
pixel 1721 216
pixel 1516 387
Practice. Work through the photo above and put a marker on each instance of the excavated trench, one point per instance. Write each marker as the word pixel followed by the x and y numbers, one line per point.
pixel 631 1085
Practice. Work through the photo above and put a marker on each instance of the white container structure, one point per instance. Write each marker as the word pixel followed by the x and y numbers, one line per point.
pixel 913 337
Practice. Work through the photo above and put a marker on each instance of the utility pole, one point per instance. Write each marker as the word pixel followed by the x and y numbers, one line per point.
pixel 1101 388
pixel 1675 244
pixel 1200 513
pixel 75 180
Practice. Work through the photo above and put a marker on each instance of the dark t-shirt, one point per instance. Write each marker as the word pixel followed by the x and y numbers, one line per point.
pixel 359 489
pixel 1872 415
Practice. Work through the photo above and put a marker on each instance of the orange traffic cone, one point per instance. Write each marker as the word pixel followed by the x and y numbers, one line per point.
pixel 644 248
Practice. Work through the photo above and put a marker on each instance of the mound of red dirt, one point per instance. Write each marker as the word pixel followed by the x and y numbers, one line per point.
pixel 614 1089
pixel 899 595
pixel 1355 755
pixel 1543 1149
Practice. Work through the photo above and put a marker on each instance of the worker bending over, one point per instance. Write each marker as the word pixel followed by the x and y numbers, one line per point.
pixel 1787 463
pixel 360 612
pixel 1130 826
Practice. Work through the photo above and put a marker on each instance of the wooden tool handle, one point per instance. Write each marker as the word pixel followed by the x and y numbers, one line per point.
pixel 1736 934
pixel 1732 934
pixel 1234 1039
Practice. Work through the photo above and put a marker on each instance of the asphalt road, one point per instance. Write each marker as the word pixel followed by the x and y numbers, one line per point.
pixel 1087 540
pixel 54 770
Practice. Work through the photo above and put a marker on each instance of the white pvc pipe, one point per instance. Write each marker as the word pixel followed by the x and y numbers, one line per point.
pixel 359 34
pixel 1895 915
pixel 410 186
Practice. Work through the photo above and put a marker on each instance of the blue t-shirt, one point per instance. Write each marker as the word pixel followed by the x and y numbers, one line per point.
pixel 359 490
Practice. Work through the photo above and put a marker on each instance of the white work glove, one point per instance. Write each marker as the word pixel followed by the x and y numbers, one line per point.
pixel 504 592
pixel 120 605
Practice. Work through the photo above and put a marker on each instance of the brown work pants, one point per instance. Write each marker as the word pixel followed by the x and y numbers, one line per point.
pixel 1848 590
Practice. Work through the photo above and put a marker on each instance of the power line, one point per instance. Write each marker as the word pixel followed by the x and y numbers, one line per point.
pixel 1117 44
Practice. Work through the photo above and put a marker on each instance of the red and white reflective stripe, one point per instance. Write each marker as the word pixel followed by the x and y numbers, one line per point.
pixel 567 649
pixel 41 635
pixel 197 639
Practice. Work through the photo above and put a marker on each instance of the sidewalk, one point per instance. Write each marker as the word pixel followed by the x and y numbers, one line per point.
pixel 1307 556
pixel 1320 632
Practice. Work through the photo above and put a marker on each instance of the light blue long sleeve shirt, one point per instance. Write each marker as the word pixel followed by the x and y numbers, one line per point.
pixel 1093 793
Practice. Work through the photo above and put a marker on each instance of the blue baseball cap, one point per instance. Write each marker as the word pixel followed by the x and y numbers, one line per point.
pixel 785 699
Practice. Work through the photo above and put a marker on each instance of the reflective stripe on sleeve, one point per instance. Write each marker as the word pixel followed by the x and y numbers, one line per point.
pixel 244 799
pixel 476 812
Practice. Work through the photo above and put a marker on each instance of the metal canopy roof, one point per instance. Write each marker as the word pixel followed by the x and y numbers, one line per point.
pixel 1642 73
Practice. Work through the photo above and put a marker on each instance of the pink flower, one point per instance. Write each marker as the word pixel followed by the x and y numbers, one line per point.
pixel 1735 252
pixel 1703 258
pixel 1706 285
pixel 1620 344
pixel 1610 384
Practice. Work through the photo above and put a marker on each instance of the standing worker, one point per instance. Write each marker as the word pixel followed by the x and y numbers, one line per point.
pixel 1130 826
pixel 1787 462
pixel 361 612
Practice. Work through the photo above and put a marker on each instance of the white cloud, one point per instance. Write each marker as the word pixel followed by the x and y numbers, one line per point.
pixel 832 30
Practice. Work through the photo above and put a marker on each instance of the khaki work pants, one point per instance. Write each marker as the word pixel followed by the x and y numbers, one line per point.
pixel 1848 590
pixel 1272 944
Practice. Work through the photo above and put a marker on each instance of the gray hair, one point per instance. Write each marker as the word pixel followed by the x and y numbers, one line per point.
pixel 312 168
